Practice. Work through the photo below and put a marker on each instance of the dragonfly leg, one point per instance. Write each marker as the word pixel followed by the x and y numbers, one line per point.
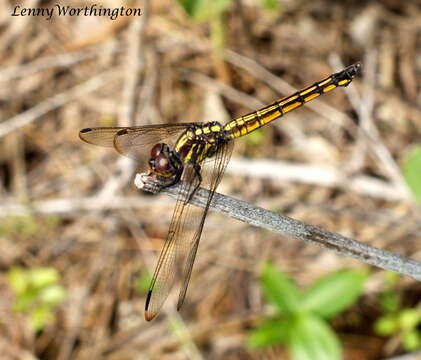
pixel 198 177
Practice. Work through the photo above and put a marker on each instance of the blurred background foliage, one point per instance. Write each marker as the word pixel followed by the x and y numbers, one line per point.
pixel 301 320
pixel 37 294
pixel 78 240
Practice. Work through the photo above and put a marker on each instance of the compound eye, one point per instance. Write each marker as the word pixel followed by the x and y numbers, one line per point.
pixel 156 150
pixel 162 163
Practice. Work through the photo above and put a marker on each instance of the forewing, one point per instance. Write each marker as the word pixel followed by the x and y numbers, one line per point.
pixel 135 142
pixel 212 173
pixel 173 254
pixel 101 136
pixel 132 141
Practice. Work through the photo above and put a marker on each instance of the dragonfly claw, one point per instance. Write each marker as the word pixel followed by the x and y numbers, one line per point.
pixel 148 182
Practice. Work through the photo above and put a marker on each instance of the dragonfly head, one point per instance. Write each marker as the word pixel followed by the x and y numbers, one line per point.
pixel 164 163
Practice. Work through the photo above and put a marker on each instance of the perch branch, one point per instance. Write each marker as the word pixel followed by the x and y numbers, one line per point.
pixel 284 225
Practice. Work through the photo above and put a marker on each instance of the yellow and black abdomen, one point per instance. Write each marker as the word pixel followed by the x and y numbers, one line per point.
pixel 250 122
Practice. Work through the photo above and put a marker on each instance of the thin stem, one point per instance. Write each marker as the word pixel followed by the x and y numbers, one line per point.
pixel 284 225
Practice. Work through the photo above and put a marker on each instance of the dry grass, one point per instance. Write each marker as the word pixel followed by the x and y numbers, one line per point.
pixel 74 72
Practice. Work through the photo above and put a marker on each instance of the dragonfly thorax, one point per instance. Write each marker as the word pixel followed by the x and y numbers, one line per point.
pixel 200 141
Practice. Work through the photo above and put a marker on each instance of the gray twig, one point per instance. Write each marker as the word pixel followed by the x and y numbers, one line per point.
pixel 284 225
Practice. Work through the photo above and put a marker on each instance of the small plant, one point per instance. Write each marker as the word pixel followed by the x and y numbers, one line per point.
pixel 271 4
pixel 213 11
pixel 27 225
pixel 256 138
pixel 143 282
pixel 37 294
pixel 398 321
pixel 412 171
pixel 22 225
pixel 301 320
pixel 200 9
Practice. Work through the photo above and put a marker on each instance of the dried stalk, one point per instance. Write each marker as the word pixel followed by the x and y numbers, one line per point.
pixel 284 225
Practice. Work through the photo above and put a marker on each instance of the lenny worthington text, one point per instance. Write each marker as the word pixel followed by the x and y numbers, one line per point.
pixel 65 10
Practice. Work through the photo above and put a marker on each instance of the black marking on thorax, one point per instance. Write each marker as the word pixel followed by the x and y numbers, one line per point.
pixel 199 142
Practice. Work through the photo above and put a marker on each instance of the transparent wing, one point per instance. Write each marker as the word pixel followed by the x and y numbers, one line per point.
pixel 173 254
pixel 212 173
pixel 179 252
pixel 135 142
pixel 101 136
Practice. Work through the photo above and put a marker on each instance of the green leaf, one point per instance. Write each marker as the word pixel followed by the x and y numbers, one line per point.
pixel 311 338
pixel 409 318
pixel 270 4
pixel 24 301
pixel 24 225
pixel 43 276
pixel 386 325
pixel 143 283
pixel 391 278
pixel 220 5
pixel 412 170
pixel 53 295
pixel 176 326
pixel 411 341
pixel 40 317
pixel 269 333
pixel 203 10
pixel 280 290
pixel 389 302
pixel 334 293
pixel 255 138
pixel 18 280
pixel 191 6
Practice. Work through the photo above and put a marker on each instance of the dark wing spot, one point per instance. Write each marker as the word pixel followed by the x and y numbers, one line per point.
pixel 121 132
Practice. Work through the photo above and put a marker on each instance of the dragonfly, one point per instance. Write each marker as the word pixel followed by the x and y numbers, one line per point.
pixel 195 154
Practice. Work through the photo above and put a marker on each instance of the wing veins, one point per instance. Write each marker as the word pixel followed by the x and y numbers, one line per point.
pixel 163 278
pixel 220 162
